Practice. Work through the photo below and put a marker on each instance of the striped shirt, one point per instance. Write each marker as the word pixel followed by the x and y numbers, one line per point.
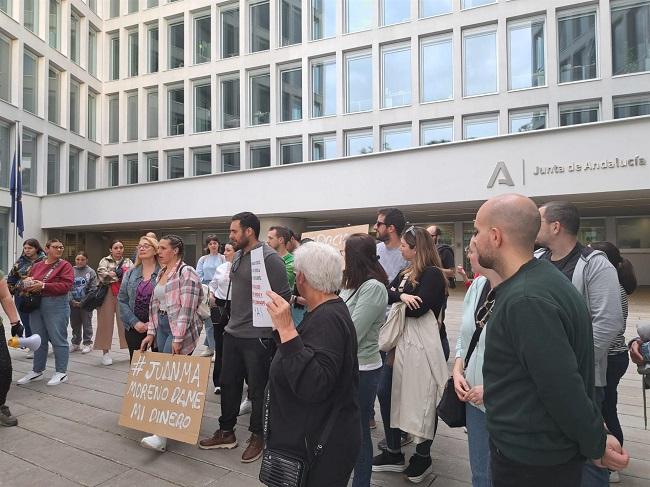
pixel 618 345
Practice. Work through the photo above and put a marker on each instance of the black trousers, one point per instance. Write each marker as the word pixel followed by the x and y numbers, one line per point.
pixel 508 473
pixel 215 316
pixel 134 340
pixel 5 367
pixel 248 358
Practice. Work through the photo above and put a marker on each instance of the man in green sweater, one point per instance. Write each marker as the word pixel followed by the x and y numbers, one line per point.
pixel 539 360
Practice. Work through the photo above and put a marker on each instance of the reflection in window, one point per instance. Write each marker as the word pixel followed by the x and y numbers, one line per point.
pixel 230 158
pixel 202 48
pixel 633 233
pixel 358 15
pixel 75 103
pixel 113 168
pixel 358 143
pixel 53 167
pixel 480 126
pixel 30 14
pixel 358 83
pixel 5 68
pixel 113 118
pixel 291 94
pixel 396 76
pixel 526 67
pixel 54 24
pixel 230 32
pixel 631 106
pixel 175 165
pixel 631 38
pixel 577 47
pixel 230 103
pixel 152 48
pixel 132 169
pixel 323 146
pixel 202 162
pixel 53 96
pixel 323 19
pixel 114 57
pixel 436 132
pixel 30 82
pixel 524 121
pixel 476 3
pixel 92 116
pixel 74 37
pixel 152 166
pixel 429 8
pixel 259 27
pixel 260 99
pixel 576 114
pixel 290 22
pixel 202 107
pixel 437 70
pixel 132 115
pixel 323 86
pixel 176 43
pixel 133 53
pixel 176 111
pixel 29 161
pixel 290 151
pixel 393 138
pixel 395 11
pixel 91 171
pixel 479 63
pixel 592 230
pixel 152 114
pixel 260 154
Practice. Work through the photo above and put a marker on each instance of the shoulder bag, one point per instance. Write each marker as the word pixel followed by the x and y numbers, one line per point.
pixel 95 298
pixel 32 301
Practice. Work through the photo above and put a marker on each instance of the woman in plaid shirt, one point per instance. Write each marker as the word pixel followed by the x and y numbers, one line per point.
pixel 174 321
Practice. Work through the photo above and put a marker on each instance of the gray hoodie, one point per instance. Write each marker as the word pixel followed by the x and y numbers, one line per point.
pixel 596 279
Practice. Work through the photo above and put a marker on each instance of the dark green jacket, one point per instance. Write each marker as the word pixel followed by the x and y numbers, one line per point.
pixel 539 370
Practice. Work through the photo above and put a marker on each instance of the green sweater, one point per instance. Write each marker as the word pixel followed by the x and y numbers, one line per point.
pixel 539 370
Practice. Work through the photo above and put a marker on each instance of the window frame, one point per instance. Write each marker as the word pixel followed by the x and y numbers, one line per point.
pixel 251 116
pixel 440 122
pixel 198 17
pixel 481 31
pixel 395 128
pixel 349 135
pixel 388 49
pixel 283 69
pixel 572 13
pixel 351 56
pixel 481 117
pixel 289 142
pixel 201 83
pixel 519 23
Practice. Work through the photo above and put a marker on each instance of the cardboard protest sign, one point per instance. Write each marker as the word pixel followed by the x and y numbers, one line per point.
pixel 260 286
pixel 165 395
pixel 336 236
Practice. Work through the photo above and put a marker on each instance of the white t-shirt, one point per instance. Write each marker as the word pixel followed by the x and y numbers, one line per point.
pixel 391 260
pixel 219 283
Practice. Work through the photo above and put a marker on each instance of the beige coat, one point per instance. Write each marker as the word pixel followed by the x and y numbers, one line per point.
pixel 419 371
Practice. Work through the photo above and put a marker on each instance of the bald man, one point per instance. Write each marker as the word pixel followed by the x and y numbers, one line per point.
pixel 539 362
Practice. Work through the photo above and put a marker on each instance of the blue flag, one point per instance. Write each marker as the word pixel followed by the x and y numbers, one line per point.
pixel 16 189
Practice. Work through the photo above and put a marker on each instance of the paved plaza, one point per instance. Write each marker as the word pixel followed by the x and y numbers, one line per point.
pixel 68 435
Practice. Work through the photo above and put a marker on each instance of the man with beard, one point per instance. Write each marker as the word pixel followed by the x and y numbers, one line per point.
pixel 247 350
pixel 389 226
pixel 539 359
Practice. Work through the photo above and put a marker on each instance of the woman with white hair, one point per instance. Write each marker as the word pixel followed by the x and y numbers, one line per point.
pixel 312 397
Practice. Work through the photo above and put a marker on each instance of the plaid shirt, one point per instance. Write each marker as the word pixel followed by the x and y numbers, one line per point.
pixel 183 294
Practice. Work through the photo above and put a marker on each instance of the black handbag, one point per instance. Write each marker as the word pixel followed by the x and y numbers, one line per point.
pixel 94 299
pixel 32 301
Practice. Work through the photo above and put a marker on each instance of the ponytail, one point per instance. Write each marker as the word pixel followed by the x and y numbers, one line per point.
pixel 626 276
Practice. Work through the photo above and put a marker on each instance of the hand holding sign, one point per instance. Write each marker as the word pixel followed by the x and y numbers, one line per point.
pixel 280 312
pixel 260 286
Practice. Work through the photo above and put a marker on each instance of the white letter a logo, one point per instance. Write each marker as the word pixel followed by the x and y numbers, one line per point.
pixel 505 178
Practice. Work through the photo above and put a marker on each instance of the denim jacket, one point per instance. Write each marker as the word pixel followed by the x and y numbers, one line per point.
pixel 128 290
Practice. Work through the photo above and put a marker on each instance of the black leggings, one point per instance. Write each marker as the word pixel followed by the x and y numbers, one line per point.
pixel 5 367
pixel 134 340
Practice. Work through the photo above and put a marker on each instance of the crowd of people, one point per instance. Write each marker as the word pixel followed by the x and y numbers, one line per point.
pixel 537 362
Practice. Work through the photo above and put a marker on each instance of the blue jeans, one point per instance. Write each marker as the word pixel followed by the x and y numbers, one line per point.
pixel 616 367
pixel 50 321
pixel 164 337
pixel 368 381
pixel 593 476
pixel 209 333
pixel 479 447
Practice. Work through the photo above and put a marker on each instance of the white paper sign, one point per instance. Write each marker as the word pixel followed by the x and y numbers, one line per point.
pixel 260 286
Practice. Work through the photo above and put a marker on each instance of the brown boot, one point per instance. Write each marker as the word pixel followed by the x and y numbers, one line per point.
pixel 254 449
pixel 220 439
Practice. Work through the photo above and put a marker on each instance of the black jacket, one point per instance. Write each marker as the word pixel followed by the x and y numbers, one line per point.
pixel 310 375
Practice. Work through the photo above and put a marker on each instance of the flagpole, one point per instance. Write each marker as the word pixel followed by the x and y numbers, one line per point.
pixel 15 209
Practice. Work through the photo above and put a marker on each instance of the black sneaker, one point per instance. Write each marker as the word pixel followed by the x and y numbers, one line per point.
pixel 388 462
pixel 6 419
pixel 419 467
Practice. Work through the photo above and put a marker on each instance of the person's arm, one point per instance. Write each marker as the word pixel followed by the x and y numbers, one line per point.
pixel 277 274
pixel 13 279
pixel 93 284
pixel 214 283
pixel 543 347
pixel 431 291
pixel 199 267
pixel 604 295
pixel 129 319
pixel 103 272
pixel 7 303
pixel 63 285
pixel 371 303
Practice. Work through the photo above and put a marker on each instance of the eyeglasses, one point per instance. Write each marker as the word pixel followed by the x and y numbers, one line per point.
pixel 484 312
pixel 144 246
pixel 57 247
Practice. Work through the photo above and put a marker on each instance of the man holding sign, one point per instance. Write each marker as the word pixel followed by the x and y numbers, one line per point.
pixel 247 343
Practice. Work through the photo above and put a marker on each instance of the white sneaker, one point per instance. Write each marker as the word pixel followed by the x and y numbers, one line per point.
pixel 74 348
pixel 58 378
pixel 154 442
pixel 106 359
pixel 614 478
pixel 245 407
pixel 30 377
pixel 208 352
pixel 86 349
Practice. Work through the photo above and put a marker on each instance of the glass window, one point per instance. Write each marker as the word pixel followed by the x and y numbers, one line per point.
pixel 53 167
pixel 479 63
pixel 75 102
pixel 358 15
pixel 260 99
pixel 92 4
pixel 152 3
pixel 54 96
pixel 176 111
pixel 30 15
pixel 358 72
pixel 133 53
pixel 29 161
pixel 113 118
pixel 133 6
pixel 323 19
pixel 396 137
pixel 73 169
pixel 175 165
pixel 436 132
pixel 132 115
pixel 91 171
pixel 395 11
pixel 74 37
pixel 152 49
pixel 592 230
pixel 202 162
pixel 30 82
pixel 92 51
pixel 202 47
pixel 152 114
pixel 577 47
pixel 630 38
pixel 54 25
pixel 633 233
pixel 113 167
pixel 176 43
pixel 259 26
pixel 291 94
pixel 480 126
pixel 260 153
pixel 230 102
pixel 526 120
pixel 526 60
pixel 429 8
pixel 437 69
pixel 92 116
pixel 576 114
pixel 202 108
pixel 132 169
pixel 631 106
pixel 323 88
pixel 323 146
pixel 5 68
pixel 152 166
pixel 230 32
pixel 396 76
pixel 476 3
pixel 358 142
pixel 230 158
pixel 114 57
pixel 290 151
pixel 113 8
pixel 5 154
pixel 290 22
